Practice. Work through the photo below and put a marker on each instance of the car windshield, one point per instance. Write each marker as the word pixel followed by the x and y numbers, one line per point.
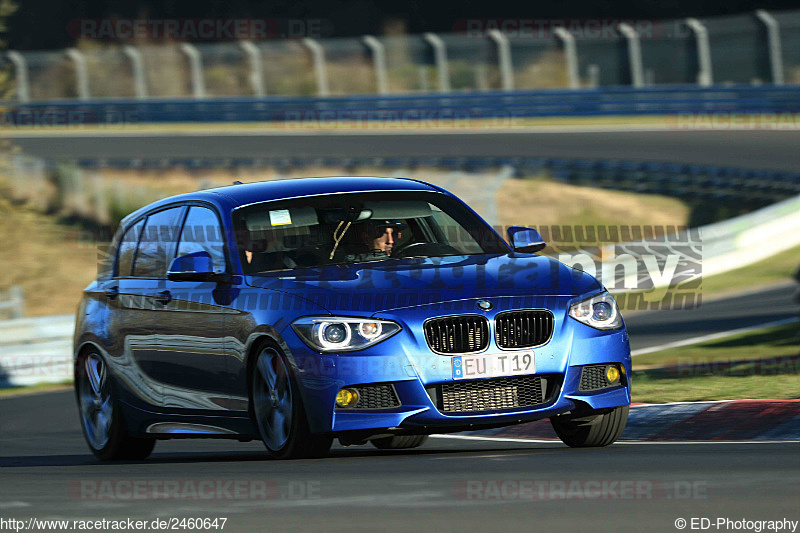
pixel 358 227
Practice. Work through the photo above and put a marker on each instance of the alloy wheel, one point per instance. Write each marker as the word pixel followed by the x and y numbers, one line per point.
pixel 272 399
pixel 95 401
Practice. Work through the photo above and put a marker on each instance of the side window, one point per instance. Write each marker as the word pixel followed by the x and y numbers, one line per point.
pixel 202 232
pixel 157 244
pixel 452 233
pixel 127 249
pixel 106 255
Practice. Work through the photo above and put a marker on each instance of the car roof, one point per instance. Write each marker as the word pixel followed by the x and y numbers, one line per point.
pixel 291 188
pixel 231 196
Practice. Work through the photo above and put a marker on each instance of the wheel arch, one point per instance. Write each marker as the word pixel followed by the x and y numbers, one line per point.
pixel 255 343
pixel 82 349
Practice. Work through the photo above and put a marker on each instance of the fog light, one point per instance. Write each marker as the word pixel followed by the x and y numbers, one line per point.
pixel 346 397
pixel 612 374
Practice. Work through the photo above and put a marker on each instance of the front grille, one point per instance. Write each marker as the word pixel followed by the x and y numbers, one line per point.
pixel 593 377
pixel 376 397
pixel 492 394
pixel 523 329
pixel 457 334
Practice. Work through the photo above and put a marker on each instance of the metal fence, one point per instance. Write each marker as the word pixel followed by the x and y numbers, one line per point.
pixel 754 48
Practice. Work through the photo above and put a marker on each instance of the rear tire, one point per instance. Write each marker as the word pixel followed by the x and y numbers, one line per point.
pixel 102 419
pixel 399 442
pixel 277 409
pixel 591 431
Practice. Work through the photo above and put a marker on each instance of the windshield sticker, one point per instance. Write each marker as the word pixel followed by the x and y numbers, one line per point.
pixel 280 217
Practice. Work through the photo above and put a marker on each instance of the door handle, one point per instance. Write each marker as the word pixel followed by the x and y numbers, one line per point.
pixel 163 297
pixel 111 292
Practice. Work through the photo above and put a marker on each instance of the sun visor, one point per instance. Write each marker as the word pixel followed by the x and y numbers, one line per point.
pixel 397 210
pixel 293 217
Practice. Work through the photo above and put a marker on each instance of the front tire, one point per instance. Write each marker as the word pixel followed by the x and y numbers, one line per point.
pixel 593 430
pixel 400 442
pixel 102 419
pixel 278 412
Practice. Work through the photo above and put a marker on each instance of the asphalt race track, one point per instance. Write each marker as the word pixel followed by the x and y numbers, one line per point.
pixel 451 483
pixel 654 328
pixel 767 150
pixel 447 485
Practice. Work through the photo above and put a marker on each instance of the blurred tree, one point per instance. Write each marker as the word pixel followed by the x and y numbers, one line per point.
pixel 7 8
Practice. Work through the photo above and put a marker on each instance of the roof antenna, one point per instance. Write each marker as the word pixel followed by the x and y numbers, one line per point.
pixel 237 182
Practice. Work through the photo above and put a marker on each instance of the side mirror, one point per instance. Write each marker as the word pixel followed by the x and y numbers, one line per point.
pixel 525 240
pixel 197 266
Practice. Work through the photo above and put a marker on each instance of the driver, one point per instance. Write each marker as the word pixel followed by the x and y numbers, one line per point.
pixel 385 234
pixel 373 239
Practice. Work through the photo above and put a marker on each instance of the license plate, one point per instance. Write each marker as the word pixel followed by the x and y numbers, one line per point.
pixel 493 365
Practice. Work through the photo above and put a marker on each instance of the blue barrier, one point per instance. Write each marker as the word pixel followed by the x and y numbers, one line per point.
pixel 416 108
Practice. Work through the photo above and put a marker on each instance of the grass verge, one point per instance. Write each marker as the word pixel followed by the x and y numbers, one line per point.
pixel 650 389
pixel 12 392
pixel 763 364
pixel 768 343
pixel 541 202
pixel 311 125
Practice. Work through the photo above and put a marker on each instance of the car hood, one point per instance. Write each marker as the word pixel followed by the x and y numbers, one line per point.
pixel 361 288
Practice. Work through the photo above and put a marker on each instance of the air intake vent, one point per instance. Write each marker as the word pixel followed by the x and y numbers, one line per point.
pixel 492 394
pixel 523 329
pixel 457 334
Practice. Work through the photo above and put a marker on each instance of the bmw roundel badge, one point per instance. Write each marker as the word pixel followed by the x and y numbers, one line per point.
pixel 483 305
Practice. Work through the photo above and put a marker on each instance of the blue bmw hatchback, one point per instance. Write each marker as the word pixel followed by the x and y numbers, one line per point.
pixel 374 310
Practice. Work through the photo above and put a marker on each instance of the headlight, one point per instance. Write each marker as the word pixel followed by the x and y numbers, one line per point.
pixel 343 334
pixel 600 312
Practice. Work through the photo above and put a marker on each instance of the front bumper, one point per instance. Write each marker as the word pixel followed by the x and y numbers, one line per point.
pixel 418 414
pixel 406 362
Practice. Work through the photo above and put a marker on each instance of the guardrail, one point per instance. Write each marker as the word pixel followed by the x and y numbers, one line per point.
pixel 455 108
pixel 484 54
pixel 36 350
